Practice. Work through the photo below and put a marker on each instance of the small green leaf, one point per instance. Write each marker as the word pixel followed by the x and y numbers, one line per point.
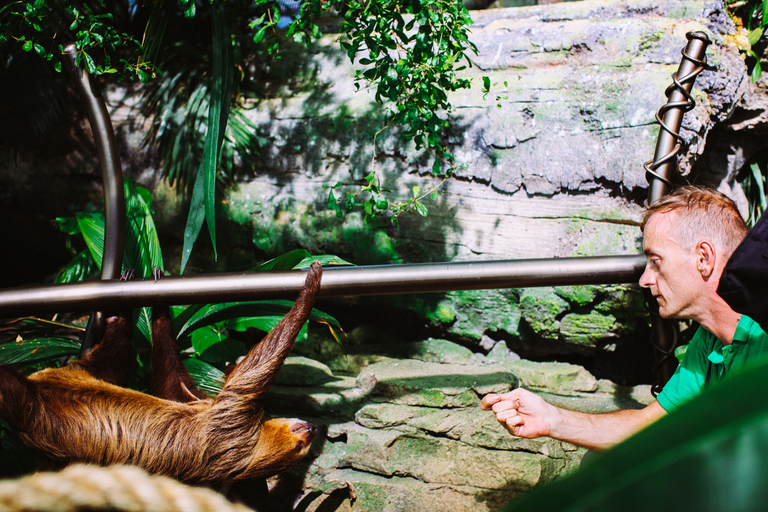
pixel 437 167
pixel 421 209
pixel 331 202
pixel 259 35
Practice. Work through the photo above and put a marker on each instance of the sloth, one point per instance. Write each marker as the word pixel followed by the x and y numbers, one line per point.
pixel 82 413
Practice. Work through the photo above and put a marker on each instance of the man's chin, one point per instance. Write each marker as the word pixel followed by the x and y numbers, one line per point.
pixel 668 315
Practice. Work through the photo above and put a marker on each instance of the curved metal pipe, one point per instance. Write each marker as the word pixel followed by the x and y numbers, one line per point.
pixel 111 168
pixel 336 282
pixel 112 179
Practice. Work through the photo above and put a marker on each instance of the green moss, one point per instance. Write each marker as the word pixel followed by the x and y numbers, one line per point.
pixel 623 301
pixel 578 295
pixel 443 313
pixel 480 311
pixel 540 308
pixel 651 40
pixel 432 397
pixel 587 329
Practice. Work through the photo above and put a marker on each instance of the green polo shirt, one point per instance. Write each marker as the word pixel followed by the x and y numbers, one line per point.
pixel 750 345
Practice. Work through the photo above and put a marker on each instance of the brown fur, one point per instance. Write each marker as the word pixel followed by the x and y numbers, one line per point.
pixel 80 413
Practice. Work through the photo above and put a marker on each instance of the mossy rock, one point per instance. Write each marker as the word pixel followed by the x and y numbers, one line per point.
pixel 589 329
pixel 540 308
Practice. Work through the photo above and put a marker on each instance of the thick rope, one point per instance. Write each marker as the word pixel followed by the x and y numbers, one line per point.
pixel 118 488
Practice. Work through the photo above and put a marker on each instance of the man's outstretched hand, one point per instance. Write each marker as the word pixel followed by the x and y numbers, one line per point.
pixel 522 413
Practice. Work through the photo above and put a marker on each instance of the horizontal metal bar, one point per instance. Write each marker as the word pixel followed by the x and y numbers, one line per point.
pixel 111 295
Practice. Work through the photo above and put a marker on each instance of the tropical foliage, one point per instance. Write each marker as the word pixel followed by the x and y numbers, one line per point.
pixel 754 181
pixel 754 16
pixel 408 50
pixel 205 329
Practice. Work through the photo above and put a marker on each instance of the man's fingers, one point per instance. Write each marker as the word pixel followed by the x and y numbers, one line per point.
pixel 488 401
pixel 503 405
pixel 514 421
pixel 509 417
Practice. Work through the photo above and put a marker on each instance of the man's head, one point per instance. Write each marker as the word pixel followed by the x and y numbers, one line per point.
pixel 688 237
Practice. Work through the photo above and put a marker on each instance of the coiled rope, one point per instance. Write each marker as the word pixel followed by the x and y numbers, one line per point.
pixel 118 488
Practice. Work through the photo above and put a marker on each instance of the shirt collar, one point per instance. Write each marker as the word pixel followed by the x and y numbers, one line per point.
pixel 743 328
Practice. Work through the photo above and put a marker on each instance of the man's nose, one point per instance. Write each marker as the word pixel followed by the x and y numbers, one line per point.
pixel 647 279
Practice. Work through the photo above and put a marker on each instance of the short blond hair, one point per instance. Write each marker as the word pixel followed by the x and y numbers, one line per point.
pixel 702 213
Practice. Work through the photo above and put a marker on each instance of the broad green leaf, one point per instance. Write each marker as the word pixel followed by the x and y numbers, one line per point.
pixel 225 351
pixel 285 261
pixel 92 228
pixel 144 323
pixel 204 337
pixel 765 13
pixel 214 313
pixel 707 456
pixel 81 268
pixel 326 260
pixel 759 181
pixel 262 323
pixel 183 317
pixel 142 246
pixel 202 205
pixel 195 217
pixel 38 350
pixel 209 379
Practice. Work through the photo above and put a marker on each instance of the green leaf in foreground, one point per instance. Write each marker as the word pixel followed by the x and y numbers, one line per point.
pixel 208 378
pixel 709 455
pixel 38 350
pixel 214 313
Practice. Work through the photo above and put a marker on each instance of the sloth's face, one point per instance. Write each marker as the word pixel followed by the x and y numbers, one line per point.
pixel 282 443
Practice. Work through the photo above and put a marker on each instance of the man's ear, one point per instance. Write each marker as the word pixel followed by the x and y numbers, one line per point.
pixel 706 255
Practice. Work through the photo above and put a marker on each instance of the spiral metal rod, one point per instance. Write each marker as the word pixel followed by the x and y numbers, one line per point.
pixel 670 115
pixel 659 171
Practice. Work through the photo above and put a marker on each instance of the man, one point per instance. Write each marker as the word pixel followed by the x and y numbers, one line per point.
pixel 688 237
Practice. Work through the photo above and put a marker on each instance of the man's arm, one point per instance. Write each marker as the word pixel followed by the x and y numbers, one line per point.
pixel 525 414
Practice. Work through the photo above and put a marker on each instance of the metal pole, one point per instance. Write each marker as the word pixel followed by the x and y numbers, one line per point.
pixel 659 174
pixel 112 179
pixel 659 171
pixel 337 281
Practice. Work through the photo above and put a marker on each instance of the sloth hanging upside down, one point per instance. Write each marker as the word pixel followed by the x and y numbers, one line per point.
pixel 81 413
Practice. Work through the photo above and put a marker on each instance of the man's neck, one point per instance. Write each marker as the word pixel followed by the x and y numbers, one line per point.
pixel 721 322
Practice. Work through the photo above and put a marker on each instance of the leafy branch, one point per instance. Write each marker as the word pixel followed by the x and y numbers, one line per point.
pixel 46 26
pixel 410 51
pixel 754 17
